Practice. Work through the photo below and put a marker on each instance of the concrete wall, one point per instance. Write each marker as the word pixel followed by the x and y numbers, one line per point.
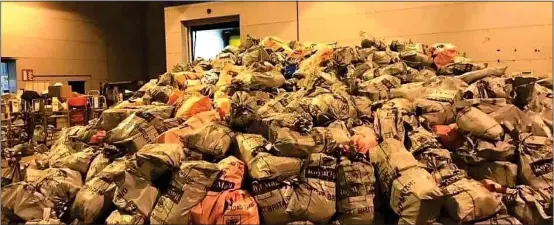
pixel 155 39
pixel 516 34
pixel 96 41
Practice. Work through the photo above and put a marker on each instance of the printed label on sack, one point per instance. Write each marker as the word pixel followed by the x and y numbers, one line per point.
pixel 261 187
pixel 174 194
pixel 121 193
pixel 359 211
pixel 352 175
pixel 159 126
pixel 442 95
pixel 222 185
pixel 328 196
pixel 185 178
pixel 60 173
pixel 273 207
pixel 404 192
pixel 387 176
pixel 388 124
pixel 459 69
pixel 542 167
pixel 388 84
pixel 352 184
pixel 509 198
pixel 145 136
pixel 155 217
pixel 237 207
pixel 146 116
pixel 354 190
pixel 456 176
pixel 321 173
pixel 420 141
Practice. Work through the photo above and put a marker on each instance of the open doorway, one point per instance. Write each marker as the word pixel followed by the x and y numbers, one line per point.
pixel 77 86
pixel 209 36
pixel 8 76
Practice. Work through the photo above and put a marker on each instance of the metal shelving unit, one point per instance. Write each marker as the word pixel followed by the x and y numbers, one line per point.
pixel 13 133
pixel 50 121
pixel 96 103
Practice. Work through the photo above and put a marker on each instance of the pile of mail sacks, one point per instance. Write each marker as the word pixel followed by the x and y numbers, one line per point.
pixel 284 132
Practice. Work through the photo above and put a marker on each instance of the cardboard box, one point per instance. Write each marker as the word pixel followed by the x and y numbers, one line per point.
pixel 54 91
pixel 63 91
pixel 67 91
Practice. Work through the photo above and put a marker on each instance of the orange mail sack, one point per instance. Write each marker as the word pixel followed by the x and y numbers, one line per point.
pixel 448 135
pixel 240 208
pixel 175 96
pixel 364 139
pixel 211 208
pixel 192 105
pixel 193 124
pixel 443 53
pixel 181 78
pixel 173 135
pixel 208 210
pixel 232 173
pixel 223 105
pixel 203 118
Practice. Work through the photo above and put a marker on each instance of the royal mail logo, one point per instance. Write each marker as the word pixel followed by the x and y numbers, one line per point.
pixel 232 219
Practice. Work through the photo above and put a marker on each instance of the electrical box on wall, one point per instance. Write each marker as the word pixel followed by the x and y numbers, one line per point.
pixel 27 75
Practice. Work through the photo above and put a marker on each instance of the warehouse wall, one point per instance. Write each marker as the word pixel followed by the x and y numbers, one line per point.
pixel 155 39
pixel 91 41
pixel 516 34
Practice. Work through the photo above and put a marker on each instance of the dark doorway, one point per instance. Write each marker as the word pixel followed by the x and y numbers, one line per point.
pixel 77 86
